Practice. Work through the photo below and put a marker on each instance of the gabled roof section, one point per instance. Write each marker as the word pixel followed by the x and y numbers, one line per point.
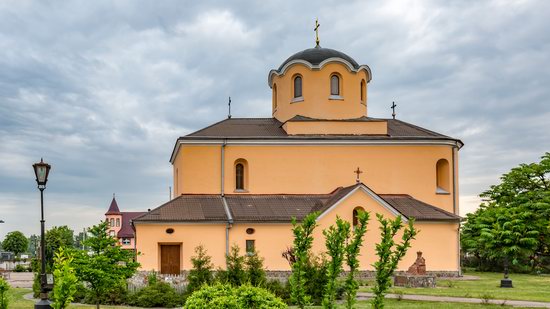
pixel 281 208
pixel 113 208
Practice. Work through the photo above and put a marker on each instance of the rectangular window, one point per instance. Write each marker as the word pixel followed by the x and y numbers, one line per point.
pixel 117 222
pixel 250 246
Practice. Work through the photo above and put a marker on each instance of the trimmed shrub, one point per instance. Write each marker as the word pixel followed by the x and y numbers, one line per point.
pixel 226 296
pixel 20 268
pixel 156 294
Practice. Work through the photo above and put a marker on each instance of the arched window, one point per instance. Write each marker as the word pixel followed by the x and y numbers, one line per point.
pixel 297 86
pixel 112 223
pixel 356 212
pixel 334 85
pixel 274 97
pixel 442 176
pixel 363 91
pixel 239 176
pixel 117 222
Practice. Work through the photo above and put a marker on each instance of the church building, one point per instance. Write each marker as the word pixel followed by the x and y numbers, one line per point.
pixel 242 180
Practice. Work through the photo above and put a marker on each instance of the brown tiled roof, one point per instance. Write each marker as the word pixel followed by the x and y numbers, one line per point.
pixel 126 230
pixel 113 208
pixel 191 207
pixel 277 207
pixel 411 207
pixel 270 128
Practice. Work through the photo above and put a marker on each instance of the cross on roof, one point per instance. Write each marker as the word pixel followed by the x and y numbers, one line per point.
pixel 316 29
pixel 358 172
pixel 229 104
pixel 393 106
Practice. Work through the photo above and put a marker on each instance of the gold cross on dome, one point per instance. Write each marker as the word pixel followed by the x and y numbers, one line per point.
pixel 316 29
pixel 358 172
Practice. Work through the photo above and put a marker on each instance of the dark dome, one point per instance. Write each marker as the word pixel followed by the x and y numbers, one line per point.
pixel 317 55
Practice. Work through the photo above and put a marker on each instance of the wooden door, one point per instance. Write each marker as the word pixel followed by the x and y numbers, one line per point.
pixel 170 259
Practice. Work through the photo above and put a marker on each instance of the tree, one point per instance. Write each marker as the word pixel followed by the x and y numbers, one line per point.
pixel 352 252
pixel 15 242
pixel 254 266
pixel 513 222
pixel 335 240
pixel 202 270
pixel 235 274
pixel 65 280
pixel 388 257
pixel 107 267
pixel 303 240
pixel 57 237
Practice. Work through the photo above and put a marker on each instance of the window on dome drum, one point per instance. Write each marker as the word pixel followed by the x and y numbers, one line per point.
pixel 442 177
pixel 117 222
pixel 297 87
pixel 363 92
pixel 356 212
pixel 334 85
pixel 239 176
pixel 250 246
pixel 112 222
pixel 274 96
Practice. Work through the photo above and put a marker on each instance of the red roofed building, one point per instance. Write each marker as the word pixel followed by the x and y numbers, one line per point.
pixel 120 225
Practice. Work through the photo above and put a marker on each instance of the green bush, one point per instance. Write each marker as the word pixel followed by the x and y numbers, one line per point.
pixel 156 294
pixel 117 295
pixel 279 289
pixel 201 273
pixel 20 268
pixel 254 265
pixel 4 300
pixel 226 296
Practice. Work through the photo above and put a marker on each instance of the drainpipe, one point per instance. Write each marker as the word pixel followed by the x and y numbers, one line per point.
pixel 228 225
pixel 222 174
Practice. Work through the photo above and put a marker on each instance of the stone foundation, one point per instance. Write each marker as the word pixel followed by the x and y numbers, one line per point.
pixel 414 281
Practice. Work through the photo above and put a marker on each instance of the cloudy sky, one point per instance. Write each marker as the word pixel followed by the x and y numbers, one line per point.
pixel 102 89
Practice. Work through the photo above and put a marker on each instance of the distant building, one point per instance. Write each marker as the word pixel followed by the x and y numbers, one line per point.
pixel 120 225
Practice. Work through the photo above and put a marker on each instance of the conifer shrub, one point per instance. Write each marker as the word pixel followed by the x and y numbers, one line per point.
pixel 254 267
pixel 234 274
pixel 201 273
pixel 227 296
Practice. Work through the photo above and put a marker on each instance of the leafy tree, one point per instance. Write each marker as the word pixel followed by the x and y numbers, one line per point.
pixel 107 267
pixel 201 273
pixel 15 242
pixel 235 274
pixel 4 299
pixel 513 222
pixel 254 266
pixel 335 241
pixel 352 252
pixel 303 240
pixel 57 237
pixel 388 257
pixel 65 281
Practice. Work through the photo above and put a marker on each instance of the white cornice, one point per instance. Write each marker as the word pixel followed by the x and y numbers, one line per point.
pixel 290 142
pixel 318 67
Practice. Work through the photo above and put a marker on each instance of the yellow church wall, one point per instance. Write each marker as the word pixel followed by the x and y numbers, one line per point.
pixel 316 93
pixel 437 241
pixel 151 236
pixel 336 127
pixel 316 169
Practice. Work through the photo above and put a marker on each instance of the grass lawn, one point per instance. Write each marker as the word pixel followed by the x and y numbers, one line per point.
pixel 526 287
pixel 410 304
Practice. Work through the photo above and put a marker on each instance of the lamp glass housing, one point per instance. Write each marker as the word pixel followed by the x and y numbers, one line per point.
pixel 41 170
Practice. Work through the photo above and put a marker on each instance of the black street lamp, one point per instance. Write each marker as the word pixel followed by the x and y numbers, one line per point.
pixel 41 170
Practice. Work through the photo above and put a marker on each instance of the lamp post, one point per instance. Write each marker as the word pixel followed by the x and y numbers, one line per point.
pixel 41 170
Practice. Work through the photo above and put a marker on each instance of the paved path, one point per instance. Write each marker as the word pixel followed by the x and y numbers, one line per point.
pixel 448 299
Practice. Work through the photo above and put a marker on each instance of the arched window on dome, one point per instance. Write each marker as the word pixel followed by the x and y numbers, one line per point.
pixel 363 87
pixel 241 172
pixel 356 212
pixel 274 97
pixel 297 86
pixel 334 85
pixel 442 177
